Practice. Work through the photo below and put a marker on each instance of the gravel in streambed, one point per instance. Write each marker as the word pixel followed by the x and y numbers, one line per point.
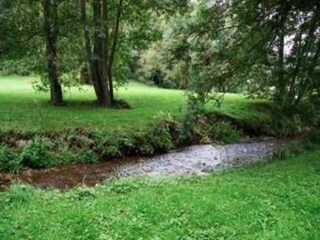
pixel 199 159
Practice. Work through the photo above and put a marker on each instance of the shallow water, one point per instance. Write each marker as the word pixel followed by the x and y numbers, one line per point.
pixel 193 160
pixel 199 159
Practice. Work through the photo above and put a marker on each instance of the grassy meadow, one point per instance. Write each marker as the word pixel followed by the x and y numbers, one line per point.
pixel 23 109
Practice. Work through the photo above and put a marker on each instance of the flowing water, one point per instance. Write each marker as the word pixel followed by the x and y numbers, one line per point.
pixel 193 160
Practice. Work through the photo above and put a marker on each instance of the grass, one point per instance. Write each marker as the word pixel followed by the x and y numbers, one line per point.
pixel 22 109
pixel 277 200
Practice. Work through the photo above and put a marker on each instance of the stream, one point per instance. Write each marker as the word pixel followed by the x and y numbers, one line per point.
pixel 193 160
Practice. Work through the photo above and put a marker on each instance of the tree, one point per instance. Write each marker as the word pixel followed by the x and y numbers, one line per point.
pixel 111 32
pixel 270 48
pixel 97 58
pixel 50 18
pixel 283 37
pixel 30 26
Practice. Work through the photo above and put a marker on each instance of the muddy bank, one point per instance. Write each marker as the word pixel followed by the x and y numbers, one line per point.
pixel 193 160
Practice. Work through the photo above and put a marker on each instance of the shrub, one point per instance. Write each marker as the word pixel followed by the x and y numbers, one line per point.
pixel 159 135
pixel 146 149
pixel 118 145
pixel 112 151
pixel 194 126
pixel 78 139
pixel 9 161
pixel 297 147
pixel 88 156
pixel 223 131
pixel 314 137
pixel 65 155
pixel 37 154
pixel 203 126
pixel 160 138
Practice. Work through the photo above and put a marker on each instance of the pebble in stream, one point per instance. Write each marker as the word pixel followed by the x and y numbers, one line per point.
pixel 199 159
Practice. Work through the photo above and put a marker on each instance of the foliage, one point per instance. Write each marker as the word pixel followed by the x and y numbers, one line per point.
pixel 308 143
pixel 88 156
pixel 287 45
pixel 21 68
pixel 159 135
pixel 204 126
pixel 116 28
pixel 224 131
pixel 268 50
pixel 79 139
pixel 153 67
pixel 64 155
pixel 36 155
pixel 9 162
pixel 118 144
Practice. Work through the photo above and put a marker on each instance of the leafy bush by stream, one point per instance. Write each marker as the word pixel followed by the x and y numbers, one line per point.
pixel 308 143
pixel 202 126
pixel 8 160
pixel 37 154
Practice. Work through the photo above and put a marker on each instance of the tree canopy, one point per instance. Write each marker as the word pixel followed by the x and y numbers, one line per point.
pixel 267 49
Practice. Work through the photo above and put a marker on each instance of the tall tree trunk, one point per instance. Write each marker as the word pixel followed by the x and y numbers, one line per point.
pixel 90 58
pixel 304 82
pixel 96 57
pixel 292 84
pixel 113 49
pixel 304 88
pixel 50 10
pixel 99 55
pixel 281 71
pixel 106 44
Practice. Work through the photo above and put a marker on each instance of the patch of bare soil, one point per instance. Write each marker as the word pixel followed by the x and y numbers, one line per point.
pixel 65 177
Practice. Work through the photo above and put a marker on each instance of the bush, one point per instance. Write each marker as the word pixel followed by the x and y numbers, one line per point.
pixel 79 139
pixel 309 143
pixel 193 128
pixel 18 67
pixel 224 132
pixel 146 149
pixel 9 161
pixel 314 137
pixel 65 155
pixel 202 126
pixel 159 137
pixel 112 151
pixel 88 156
pixel 118 145
pixel 37 154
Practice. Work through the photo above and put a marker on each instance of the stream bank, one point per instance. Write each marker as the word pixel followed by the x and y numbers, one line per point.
pixel 192 160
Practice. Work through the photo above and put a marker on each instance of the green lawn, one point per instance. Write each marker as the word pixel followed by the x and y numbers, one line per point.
pixel 278 200
pixel 22 109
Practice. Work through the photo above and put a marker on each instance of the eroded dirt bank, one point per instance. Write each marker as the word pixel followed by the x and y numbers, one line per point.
pixel 197 159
